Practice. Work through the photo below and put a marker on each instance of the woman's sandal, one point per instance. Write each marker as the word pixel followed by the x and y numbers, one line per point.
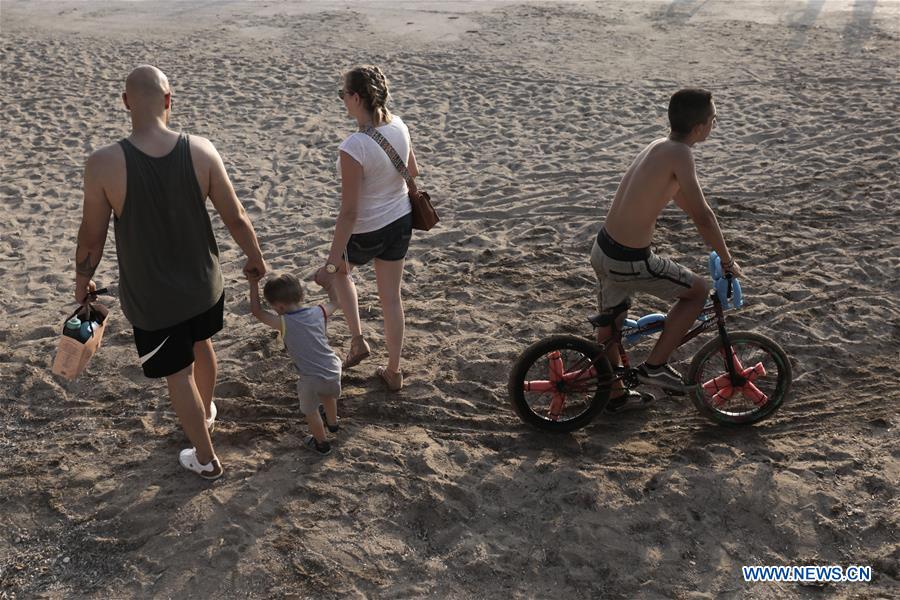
pixel 393 382
pixel 354 358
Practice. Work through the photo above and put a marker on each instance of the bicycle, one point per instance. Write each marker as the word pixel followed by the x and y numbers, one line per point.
pixel 562 382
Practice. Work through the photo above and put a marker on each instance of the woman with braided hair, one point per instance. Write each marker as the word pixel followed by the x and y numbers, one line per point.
pixel 375 220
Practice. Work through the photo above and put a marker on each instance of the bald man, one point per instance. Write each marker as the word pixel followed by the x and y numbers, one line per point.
pixel 156 182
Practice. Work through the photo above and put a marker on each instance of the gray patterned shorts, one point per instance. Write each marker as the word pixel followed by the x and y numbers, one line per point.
pixel 619 279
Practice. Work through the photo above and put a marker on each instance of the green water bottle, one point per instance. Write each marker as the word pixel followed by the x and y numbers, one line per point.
pixel 73 328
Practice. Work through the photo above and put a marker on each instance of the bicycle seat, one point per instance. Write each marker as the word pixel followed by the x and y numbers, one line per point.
pixel 607 317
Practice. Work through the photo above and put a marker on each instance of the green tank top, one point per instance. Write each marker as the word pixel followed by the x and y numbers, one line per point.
pixel 168 258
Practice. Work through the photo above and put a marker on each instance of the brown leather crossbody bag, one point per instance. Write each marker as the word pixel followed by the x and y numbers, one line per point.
pixel 424 217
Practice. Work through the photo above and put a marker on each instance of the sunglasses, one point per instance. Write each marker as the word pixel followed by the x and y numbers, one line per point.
pixel 342 92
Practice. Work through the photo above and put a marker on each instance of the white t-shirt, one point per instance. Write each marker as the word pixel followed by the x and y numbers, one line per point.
pixel 383 196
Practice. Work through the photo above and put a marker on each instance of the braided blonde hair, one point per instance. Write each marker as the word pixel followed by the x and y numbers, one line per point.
pixel 372 86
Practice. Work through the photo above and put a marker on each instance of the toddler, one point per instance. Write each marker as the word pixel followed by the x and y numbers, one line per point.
pixel 303 331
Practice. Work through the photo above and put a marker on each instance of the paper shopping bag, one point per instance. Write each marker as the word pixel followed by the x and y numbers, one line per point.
pixel 72 355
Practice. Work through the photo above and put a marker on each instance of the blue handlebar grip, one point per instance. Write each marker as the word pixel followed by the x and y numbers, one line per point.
pixel 721 286
pixel 737 296
pixel 721 283
pixel 719 273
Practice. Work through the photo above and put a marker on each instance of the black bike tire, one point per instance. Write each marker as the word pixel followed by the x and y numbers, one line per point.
pixel 541 348
pixel 782 386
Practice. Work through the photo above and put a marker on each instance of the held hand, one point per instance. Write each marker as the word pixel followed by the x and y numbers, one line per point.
pixel 81 294
pixel 255 268
pixel 324 278
pixel 733 269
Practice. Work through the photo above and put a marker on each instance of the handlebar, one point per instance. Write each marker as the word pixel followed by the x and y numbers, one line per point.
pixel 727 286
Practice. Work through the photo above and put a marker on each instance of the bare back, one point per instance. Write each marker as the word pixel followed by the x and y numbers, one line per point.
pixel 649 184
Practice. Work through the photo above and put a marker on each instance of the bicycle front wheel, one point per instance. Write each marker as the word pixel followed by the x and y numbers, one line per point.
pixel 762 363
pixel 560 383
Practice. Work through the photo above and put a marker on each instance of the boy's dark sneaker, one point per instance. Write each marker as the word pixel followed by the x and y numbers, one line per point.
pixel 332 428
pixel 663 376
pixel 323 448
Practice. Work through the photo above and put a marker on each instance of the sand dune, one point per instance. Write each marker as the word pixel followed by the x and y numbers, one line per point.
pixel 523 117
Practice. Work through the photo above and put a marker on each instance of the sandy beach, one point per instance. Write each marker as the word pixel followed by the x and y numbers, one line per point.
pixel 523 117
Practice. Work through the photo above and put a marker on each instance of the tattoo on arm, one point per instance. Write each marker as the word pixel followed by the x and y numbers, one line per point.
pixel 85 267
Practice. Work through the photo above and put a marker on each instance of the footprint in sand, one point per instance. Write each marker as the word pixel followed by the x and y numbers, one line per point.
pixel 133 373
pixel 39 333
pixel 232 389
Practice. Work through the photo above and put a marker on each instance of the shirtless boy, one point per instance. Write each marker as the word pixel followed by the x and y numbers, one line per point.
pixel 621 255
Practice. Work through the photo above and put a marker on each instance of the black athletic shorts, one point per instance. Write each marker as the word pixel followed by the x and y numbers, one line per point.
pixel 388 243
pixel 166 351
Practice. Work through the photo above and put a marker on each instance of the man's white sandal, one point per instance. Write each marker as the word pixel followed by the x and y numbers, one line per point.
pixel 211 421
pixel 211 470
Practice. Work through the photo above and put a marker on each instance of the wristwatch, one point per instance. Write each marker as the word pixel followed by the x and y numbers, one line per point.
pixel 330 268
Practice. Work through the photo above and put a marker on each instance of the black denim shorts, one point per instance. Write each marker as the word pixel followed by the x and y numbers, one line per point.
pixel 388 243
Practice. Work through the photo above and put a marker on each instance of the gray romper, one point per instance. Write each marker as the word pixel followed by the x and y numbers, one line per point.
pixel 320 368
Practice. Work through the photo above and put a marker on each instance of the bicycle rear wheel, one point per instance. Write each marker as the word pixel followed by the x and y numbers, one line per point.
pixel 559 384
pixel 763 363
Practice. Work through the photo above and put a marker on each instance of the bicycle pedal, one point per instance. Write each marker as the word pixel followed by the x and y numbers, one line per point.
pixel 688 389
pixel 631 402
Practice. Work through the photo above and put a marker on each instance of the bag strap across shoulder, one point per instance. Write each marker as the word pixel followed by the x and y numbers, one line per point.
pixel 392 154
